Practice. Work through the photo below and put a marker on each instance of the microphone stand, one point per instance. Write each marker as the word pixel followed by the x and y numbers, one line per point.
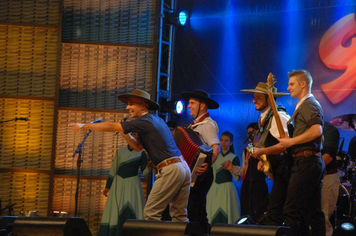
pixel 15 119
pixel 79 163
pixel 3 121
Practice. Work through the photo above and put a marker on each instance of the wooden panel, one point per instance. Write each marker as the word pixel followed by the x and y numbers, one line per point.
pixel 93 76
pixel 98 150
pixel 26 144
pixel 91 200
pixel 28 61
pixel 29 191
pixel 114 21
pixel 30 11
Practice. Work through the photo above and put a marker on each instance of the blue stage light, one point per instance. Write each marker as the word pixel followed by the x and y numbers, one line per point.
pixel 346 227
pixel 182 17
pixel 245 220
pixel 176 18
pixel 179 107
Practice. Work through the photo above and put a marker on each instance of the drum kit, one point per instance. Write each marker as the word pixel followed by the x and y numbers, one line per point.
pixel 345 208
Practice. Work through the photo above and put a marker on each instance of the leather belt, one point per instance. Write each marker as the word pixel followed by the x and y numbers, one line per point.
pixel 168 161
pixel 306 154
pixel 331 172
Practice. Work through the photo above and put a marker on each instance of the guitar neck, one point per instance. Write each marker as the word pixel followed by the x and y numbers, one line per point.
pixel 276 115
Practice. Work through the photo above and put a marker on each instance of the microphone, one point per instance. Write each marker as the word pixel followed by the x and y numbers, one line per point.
pixel 125 116
pixel 341 146
pixel 249 136
pixel 21 118
pixel 97 121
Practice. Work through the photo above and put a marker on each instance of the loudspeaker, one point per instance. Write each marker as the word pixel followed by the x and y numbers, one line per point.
pixel 161 228
pixel 50 226
pixel 6 223
pixel 242 230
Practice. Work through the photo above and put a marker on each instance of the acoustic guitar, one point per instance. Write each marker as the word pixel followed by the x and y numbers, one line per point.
pixel 267 169
pixel 271 80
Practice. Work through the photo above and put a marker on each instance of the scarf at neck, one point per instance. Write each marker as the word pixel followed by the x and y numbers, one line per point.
pixel 261 123
pixel 201 118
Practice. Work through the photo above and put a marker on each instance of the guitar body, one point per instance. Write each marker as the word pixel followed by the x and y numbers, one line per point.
pixel 267 168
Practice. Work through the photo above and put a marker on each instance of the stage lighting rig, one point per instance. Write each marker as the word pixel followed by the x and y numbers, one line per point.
pixel 173 107
pixel 178 18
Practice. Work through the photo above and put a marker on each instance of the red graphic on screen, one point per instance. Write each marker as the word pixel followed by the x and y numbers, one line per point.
pixel 336 56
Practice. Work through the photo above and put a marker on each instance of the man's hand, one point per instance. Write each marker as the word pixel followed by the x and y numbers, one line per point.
pixel 227 165
pixel 286 142
pixel 106 192
pixel 256 153
pixel 150 165
pixel 76 126
pixel 201 170
pixel 260 166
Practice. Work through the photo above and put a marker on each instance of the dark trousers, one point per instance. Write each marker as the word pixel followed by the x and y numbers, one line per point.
pixel 254 192
pixel 254 198
pixel 197 200
pixel 304 195
pixel 277 196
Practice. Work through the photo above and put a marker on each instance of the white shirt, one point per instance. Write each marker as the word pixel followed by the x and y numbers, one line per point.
pixel 274 129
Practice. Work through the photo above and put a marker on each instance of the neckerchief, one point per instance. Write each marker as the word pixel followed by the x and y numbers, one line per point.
pixel 261 123
pixel 201 118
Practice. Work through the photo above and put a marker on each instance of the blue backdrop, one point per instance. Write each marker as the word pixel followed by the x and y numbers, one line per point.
pixel 232 45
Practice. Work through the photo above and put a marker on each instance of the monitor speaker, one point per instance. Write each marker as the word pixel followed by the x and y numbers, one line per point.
pixel 243 230
pixel 161 228
pixel 6 223
pixel 50 226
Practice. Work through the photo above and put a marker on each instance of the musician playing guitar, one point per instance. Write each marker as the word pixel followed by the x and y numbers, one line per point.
pixel 271 126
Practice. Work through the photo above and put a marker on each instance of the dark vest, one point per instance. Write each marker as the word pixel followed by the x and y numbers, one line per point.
pixel 280 161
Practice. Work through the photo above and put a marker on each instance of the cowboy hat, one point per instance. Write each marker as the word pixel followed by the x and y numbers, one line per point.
pixel 201 95
pixel 143 95
pixel 263 88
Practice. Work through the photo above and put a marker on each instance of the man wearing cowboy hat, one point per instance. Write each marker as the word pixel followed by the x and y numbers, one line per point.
pixel 173 174
pixel 208 130
pixel 268 132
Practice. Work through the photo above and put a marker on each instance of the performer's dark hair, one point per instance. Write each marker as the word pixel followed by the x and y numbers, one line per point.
pixel 231 137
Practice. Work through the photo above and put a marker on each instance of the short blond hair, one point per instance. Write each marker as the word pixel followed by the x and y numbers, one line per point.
pixel 303 75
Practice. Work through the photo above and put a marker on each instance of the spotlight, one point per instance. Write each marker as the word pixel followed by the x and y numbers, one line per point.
pixel 183 16
pixel 245 220
pixel 173 107
pixel 346 227
pixel 176 18
pixel 179 107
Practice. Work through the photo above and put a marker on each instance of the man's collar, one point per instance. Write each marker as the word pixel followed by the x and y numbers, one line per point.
pixel 198 118
pixel 144 113
pixel 303 99
pixel 263 114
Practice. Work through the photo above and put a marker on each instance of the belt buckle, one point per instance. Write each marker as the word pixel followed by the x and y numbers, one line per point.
pixel 308 153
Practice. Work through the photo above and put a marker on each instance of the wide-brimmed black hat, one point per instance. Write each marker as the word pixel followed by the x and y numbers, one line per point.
pixel 201 95
pixel 263 88
pixel 143 95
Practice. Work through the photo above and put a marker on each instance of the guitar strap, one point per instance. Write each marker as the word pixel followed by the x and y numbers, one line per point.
pixel 264 135
pixel 264 127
